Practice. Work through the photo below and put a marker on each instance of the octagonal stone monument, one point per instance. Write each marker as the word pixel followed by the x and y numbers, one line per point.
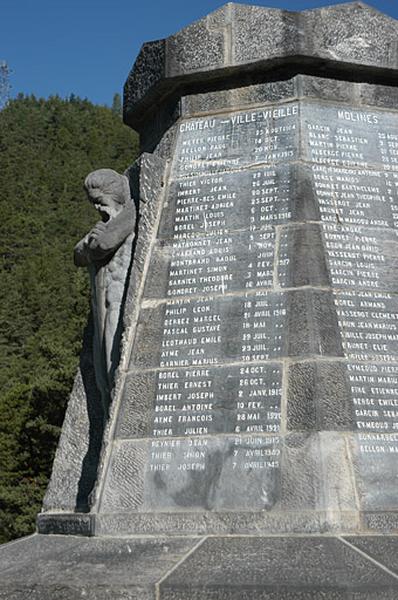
pixel 257 390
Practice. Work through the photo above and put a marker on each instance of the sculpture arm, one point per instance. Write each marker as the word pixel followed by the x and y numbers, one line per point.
pixel 117 229
pixel 81 255
pixel 105 238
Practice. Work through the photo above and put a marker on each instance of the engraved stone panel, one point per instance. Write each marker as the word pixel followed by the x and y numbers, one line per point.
pixel 230 142
pixel 263 369
pixel 220 400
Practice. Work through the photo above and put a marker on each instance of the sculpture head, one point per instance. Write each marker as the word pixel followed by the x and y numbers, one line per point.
pixel 108 191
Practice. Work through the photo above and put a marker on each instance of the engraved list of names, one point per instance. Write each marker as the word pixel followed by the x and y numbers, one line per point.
pixel 222 314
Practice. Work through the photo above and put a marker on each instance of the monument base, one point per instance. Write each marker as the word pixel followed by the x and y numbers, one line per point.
pixel 44 567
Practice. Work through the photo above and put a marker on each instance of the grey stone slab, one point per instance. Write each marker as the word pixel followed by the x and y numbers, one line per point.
pixel 48 567
pixel 252 200
pixel 158 345
pixel 220 398
pixel 19 555
pixel 315 474
pixel 76 459
pixel 350 396
pixel 227 142
pixel 313 326
pixel 227 523
pixel 236 472
pixel 323 88
pixel 199 46
pixel 196 473
pixel 352 32
pixel 149 70
pixel 212 264
pixel 302 259
pixel 383 549
pixel 241 96
pixel 373 393
pixel 360 258
pixel 157 136
pixel 347 136
pixel 379 95
pixel 385 522
pixel 352 197
pixel 375 464
pixel 299 86
pixel 367 325
pixel 251 33
pixel 258 327
pixel 277 568
pixel 66 523
pixel 319 397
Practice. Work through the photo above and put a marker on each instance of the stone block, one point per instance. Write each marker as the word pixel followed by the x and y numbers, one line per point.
pixel 277 568
pixel 202 474
pixel 319 397
pixel 352 32
pixel 251 33
pixel 375 466
pixel 223 397
pixel 239 97
pixel 303 248
pixel 382 549
pixel 67 568
pixel 315 474
pixel 199 46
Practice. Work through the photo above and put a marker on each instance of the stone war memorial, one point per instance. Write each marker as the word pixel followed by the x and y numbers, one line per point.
pixel 233 428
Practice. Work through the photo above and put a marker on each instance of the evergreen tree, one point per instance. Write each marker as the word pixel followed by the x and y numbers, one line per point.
pixel 4 84
pixel 47 147
pixel 117 105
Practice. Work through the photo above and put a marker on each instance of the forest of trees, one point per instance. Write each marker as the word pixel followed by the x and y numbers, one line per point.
pixel 47 147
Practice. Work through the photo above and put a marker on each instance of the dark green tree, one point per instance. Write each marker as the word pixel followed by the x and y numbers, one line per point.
pixel 117 105
pixel 47 147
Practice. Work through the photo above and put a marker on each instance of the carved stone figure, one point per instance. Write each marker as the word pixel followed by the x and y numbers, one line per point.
pixel 106 251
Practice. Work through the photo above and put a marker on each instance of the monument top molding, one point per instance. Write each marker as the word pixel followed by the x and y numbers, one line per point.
pixel 239 42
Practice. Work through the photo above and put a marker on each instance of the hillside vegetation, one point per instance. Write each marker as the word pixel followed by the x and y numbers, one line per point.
pixel 47 147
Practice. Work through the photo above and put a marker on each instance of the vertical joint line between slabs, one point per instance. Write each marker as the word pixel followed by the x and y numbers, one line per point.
pixel 352 471
pixel 228 35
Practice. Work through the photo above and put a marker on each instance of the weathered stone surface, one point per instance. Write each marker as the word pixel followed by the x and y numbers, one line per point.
pixel 376 468
pixel 260 93
pixel 319 397
pixel 299 86
pixel 213 475
pixel 227 523
pixel 198 47
pixel 65 568
pixel 68 568
pixel 147 404
pixel 278 568
pixel 251 39
pixel 256 39
pixel 66 523
pixel 76 459
pixel 315 475
pixel 383 550
pixel 257 385
pixel 350 32
pixel 380 522
pixel 238 472
pixel 78 455
pixel 149 69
